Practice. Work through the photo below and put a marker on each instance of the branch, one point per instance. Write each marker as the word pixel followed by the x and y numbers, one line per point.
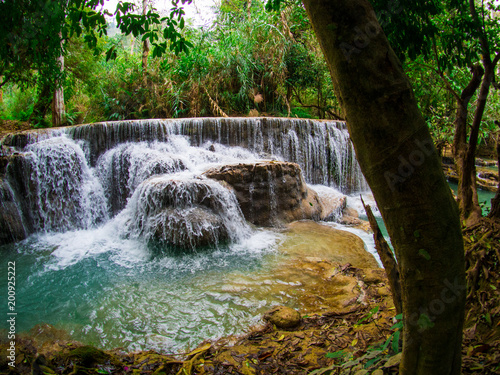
pixel 385 253
pixel 443 78
pixel 483 40
pixel 333 114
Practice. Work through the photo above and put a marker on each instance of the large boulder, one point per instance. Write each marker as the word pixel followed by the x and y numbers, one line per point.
pixel 185 212
pixel 270 193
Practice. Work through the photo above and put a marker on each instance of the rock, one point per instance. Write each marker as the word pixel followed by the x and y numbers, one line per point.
pixel 350 220
pixel 311 239
pixel 270 193
pixel 11 222
pixel 282 317
pixel 374 276
pixel 384 291
pixel 333 202
pixel 184 212
pixel 189 228
pixel 349 211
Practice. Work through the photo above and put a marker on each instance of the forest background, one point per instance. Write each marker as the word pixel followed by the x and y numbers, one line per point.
pixel 248 61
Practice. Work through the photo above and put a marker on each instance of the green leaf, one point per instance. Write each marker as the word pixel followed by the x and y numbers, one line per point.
pixel 487 317
pixel 395 342
pixel 371 362
pixel 338 354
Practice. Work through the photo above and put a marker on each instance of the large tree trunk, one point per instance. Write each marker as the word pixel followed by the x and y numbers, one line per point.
pixel 398 158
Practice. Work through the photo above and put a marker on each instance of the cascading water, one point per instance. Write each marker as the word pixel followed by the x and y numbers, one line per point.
pixel 59 190
pixel 321 148
pixel 102 199
pixel 185 212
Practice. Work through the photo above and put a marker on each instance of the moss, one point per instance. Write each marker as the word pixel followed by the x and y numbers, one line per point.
pixel 82 358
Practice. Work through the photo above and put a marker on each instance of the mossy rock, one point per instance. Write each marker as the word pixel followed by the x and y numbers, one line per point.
pixel 85 356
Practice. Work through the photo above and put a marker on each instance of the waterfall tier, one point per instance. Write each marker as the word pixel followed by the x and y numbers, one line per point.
pixel 321 148
pixel 79 177
pixel 185 212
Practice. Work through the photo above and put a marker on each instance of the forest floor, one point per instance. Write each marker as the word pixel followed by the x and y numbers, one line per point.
pixel 10 126
pixel 362 338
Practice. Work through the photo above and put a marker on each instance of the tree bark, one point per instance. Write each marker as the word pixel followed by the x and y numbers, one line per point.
pixel 398 158
pixel 58 108
pixel 386 256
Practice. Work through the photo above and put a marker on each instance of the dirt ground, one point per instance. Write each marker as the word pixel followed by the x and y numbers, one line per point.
pixel 9 126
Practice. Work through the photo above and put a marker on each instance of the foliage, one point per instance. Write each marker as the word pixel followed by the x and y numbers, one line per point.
pixel 17 104
pixel 249 60
pixel 439 42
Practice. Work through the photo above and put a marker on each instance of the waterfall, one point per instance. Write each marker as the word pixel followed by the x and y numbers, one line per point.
pixel 79 177
pixel 185 211
pixel 166 216
pixel 321 148
pixel 124 167
pixel 57 188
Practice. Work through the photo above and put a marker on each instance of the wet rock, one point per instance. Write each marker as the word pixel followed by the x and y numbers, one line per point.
pixel 11 221
pixel 184 212
pixel 349 211
pixel 193 227
pixel 325 242
pixel 282 317
pixel 270 193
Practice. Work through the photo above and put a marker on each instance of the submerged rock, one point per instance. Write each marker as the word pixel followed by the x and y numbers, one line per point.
pixel 308 239
pixel 270 193
pixel 282 317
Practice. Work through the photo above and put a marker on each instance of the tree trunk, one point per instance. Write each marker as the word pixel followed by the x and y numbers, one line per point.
pixel 467 192
pixel 58 108
pixel 249 7
pixel 386 256
pixel 398 158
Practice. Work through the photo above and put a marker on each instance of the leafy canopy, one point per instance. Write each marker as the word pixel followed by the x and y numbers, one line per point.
pixel 33 33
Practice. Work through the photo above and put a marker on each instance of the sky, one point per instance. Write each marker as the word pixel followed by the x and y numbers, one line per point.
pixel 199 11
